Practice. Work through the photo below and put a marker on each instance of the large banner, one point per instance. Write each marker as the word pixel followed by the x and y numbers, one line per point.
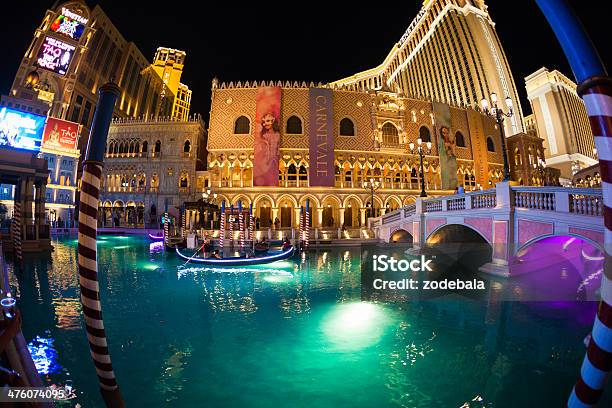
pixel 321 140
pixel 60 134
pixel 267 137
pixel 447 146
pixel 20 130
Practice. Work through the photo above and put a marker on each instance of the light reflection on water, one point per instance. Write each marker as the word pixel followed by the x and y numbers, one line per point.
pixel 262 336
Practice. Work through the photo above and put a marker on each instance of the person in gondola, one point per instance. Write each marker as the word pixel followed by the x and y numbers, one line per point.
pixel 286 243
pixel 215 254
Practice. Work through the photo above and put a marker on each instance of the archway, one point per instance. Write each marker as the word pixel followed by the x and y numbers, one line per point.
pixel 401 236
pixel 330 216
pixel 352 208
pixel 286 207
pixel 459 250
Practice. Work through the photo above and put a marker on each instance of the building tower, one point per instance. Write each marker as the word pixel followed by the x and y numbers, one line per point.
pixel 450 53
pixel 561 120
pixel 168 64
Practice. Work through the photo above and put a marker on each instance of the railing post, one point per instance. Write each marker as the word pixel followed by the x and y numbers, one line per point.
pixel 468 201
pixel 504 196
pixel 562 201
pixel 445 204
pixel 419 206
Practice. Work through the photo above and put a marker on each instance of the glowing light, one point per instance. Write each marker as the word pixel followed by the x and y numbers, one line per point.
pixel 121 247
pixel 150 266
pixel 568 243
pixel 352 326
pixel 44 355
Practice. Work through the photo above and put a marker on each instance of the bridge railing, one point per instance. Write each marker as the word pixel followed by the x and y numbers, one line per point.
pixel 580 201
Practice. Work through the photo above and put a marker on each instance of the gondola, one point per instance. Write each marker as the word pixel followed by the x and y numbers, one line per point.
pixel 156 237
pixel 240 261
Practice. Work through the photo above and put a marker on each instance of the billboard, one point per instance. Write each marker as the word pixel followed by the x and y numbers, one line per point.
pixel 446 146
pixel 55 55
pixel 67 26
pixel 321 139
pixel 267 136
pixel 20 130
pixel 60 134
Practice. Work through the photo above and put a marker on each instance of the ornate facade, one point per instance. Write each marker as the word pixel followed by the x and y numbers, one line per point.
pixel 372 133
pixel 150 166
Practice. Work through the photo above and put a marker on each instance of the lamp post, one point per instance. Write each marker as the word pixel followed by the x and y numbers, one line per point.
pixel 372 185
pixel 208 198
pixel 421 149
pixel 499 115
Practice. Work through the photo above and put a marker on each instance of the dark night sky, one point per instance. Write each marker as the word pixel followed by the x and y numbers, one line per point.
pixel 306 41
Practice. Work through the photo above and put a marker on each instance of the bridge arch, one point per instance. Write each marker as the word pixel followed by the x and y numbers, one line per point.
pixel 467 248
pixel 400 235
pixel 588 240
pixel 441 227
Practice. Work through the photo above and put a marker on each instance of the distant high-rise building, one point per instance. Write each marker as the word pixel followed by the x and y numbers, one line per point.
pixel 450 53
pixel 74 51
pixel 561 120
pixel 168 64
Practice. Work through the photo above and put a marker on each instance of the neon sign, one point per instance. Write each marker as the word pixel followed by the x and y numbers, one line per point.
pixel 55 55
pixel 412 26
pixel 20 130
pixel 74 16
pixel 68 26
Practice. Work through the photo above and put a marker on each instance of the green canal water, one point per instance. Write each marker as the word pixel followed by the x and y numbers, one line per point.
pixel 292 334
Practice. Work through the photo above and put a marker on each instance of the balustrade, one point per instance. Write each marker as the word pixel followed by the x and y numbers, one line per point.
pixel 586 204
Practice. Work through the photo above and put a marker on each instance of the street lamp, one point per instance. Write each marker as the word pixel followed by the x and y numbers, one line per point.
pixel 207 200
pixel 421 150
pixel 372 185
pixel 499 115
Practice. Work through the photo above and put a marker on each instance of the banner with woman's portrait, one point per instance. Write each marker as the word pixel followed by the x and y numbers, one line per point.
pixel 447 146
pixel 267 137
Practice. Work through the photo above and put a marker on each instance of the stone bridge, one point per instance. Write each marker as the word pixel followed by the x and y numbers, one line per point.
pixel 508 218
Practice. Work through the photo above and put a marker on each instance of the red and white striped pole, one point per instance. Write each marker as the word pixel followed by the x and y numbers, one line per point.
pixel 241 224
pixel 307 224
pixel 595 87
pixel 183 223
pixel 301 230
pixel 16 229
pixel 166 237
pixel 87 249
pixel 222 227
pixel 251 224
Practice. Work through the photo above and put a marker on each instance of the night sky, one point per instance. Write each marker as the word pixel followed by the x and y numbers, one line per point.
pixel 312 41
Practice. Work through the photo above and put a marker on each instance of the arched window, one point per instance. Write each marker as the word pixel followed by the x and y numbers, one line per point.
pixel 294 126
pixel 158 146
pixel 183 183
pixel 414 176
pixel 303 175
pixel 390 135
pixel 187 146
pixel 145 146
pixel 425 134
pixel 459 139
pixel 347 128
pixel 242 126
pixel 490 145
pixel 292 172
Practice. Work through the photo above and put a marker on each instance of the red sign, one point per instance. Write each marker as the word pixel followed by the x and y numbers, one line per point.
pixel 60 134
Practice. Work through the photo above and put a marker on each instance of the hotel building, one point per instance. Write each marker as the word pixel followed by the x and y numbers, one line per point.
pixel 560 118
pixel 450 53
pixel 168 64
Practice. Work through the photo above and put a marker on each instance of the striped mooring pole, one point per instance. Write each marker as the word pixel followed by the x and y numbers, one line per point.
pixel 241 225
pixel 307 224
pixel 595 87
pixel 16 229
pixel 222 227
pixel 301 227
pixel 251 224
pixel 87 248
pixel 231 226
pixel 184 222
pixel 166 229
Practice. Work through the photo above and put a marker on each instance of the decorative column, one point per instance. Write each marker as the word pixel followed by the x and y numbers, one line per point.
pixel 595 87
pixel 320 217
pixel 341 217
pixel 231 226
pixel 362 214
pixel 87 248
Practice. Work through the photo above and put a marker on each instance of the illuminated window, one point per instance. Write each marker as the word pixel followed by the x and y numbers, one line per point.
pixel 390 135
pixel 294 126
pixel 347 128
pixel 242 126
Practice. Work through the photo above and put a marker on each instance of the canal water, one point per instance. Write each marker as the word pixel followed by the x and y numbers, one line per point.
pixel 292 334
